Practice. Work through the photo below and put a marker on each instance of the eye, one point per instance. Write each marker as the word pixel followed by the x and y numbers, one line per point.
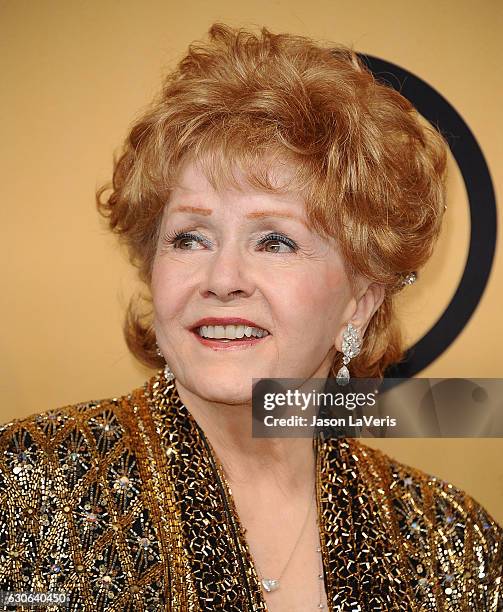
pixel 179 240
pixel 185 241
pixel 280 241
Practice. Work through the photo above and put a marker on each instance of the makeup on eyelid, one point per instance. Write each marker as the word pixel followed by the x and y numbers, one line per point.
pixel 171 238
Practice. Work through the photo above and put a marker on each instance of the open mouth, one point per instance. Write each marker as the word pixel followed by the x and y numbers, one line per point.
pixel 220 335
pixel 229 340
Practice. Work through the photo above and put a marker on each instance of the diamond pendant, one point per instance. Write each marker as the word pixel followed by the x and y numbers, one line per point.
pixel 270 584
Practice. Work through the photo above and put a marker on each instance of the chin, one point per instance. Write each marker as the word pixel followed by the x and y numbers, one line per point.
pixel 228 387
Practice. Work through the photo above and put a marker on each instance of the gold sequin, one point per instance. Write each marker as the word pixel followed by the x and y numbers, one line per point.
pixel 123 504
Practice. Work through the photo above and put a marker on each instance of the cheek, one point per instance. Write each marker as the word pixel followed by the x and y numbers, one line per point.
pixel 166 287
pixel 157 286
pixel 317 299
pixel 307 309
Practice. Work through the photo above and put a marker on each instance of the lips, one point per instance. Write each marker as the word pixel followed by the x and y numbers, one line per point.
pixel 226 321
pixel 223 344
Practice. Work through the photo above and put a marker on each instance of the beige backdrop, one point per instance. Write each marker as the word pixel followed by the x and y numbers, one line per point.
pixel 74 75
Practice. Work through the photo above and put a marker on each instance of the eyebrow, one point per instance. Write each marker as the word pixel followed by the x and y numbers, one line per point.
pixel 257 214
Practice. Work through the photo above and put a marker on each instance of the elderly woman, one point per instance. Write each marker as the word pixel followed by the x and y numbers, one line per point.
pixel 275 198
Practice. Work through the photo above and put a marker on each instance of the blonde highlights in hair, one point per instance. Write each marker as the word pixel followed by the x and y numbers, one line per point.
pixel 371 172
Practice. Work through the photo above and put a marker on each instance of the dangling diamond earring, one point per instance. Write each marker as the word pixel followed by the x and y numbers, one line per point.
pixel 351 344
pixel 167 371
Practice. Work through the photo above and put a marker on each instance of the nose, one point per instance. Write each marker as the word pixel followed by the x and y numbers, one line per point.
pixel 227 274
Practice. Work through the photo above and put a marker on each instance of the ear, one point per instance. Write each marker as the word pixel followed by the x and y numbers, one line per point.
pixel 364 307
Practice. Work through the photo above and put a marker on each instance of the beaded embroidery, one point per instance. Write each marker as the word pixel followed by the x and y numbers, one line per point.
pixel 121 504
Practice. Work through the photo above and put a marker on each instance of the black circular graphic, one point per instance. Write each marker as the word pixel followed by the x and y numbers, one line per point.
pixel 483 217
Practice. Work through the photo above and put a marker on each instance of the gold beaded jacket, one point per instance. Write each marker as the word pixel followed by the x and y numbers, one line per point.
pixel 122 504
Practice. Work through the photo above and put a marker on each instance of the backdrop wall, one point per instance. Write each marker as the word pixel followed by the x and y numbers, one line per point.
pixel 74 77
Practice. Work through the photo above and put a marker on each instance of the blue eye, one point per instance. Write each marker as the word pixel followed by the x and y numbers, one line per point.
pixel 278 238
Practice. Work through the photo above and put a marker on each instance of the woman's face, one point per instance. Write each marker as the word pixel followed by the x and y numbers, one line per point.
pixel 244 254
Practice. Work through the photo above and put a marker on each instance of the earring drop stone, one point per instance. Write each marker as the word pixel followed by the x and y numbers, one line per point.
pixel 168 373
pixel 342 377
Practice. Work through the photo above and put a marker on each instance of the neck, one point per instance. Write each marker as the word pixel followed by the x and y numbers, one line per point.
pixel 287 464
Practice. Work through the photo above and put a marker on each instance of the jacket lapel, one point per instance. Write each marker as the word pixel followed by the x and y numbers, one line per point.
pixel 361 559
pixel 222 576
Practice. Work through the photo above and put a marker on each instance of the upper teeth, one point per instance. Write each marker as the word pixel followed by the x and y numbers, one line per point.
pixel 231 331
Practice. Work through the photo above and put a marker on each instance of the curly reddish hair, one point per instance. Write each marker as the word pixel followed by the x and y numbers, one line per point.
pixel 371 171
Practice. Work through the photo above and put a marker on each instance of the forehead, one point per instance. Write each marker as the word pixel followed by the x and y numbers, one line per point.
pixel 193 181
pixel 270 179
pixel 194 193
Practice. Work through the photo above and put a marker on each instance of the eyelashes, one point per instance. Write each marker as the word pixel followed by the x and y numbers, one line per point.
pixel 171 239
pixel 277 238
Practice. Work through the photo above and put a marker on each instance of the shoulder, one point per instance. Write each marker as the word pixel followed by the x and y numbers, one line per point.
pixel 441 501
pixel 53 451
pixel 100 423
pixel 61 448
pixel 437 520
pixel 70 482
pixel 405 480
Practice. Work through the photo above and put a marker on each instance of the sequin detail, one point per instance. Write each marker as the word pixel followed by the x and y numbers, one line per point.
pixel 122 504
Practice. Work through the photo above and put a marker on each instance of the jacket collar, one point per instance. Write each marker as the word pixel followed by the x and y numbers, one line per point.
pixel 210 561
